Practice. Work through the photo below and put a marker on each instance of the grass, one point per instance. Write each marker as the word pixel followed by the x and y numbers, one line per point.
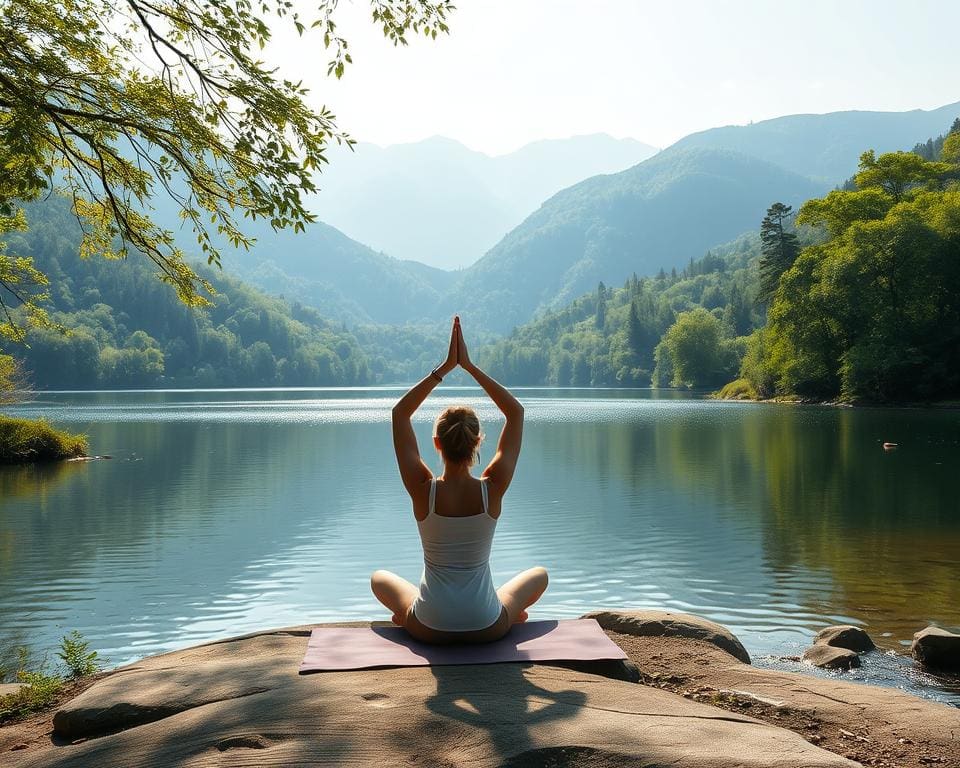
pixel 741 389
pixel 23 441
pixel 40 688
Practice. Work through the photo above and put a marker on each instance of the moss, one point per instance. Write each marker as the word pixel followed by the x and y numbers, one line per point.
pixel 23 441
pixel 741 389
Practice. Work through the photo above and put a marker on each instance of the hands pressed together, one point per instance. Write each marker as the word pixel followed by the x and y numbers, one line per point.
pixel 457 353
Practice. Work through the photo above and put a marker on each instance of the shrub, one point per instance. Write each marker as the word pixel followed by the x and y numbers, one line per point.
pixel 76 655
pixel 741 389
pixel 22 441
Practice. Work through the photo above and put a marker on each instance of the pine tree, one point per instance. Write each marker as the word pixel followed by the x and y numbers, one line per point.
pixel 600 318
pixel 779 249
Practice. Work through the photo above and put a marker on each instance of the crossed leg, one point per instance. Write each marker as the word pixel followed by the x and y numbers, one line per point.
pixel 395 592
pixel 518 594
pixel 522 591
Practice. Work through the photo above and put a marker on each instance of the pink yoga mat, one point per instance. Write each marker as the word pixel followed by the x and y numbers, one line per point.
pixel 339 648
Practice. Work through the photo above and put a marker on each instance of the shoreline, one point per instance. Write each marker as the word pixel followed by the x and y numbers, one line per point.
pixel 243 692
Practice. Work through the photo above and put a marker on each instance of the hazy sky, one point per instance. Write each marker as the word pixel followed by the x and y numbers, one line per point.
pixel 513 71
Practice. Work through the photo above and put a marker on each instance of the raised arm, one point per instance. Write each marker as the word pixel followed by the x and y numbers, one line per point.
pixel 413 471
pixel 501 468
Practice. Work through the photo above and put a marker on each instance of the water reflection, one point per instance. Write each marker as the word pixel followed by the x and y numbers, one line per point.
pixel 224 512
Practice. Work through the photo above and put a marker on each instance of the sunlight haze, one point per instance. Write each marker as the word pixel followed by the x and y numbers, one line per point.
pixel 510 73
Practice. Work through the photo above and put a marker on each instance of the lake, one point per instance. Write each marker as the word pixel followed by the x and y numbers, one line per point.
pixel 224 512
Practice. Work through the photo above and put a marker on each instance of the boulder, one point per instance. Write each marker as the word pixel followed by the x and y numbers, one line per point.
pixel 241 702
pixel 670 624
pixel 828 657
pixel 937 648
pixel 845 636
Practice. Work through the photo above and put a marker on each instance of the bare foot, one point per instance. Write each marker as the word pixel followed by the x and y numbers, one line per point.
pixel 522 617
pixel 397 620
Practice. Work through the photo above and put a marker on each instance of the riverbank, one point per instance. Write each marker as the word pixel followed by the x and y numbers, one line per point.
pixel 686 697
pixel 741 390
pixel 24 441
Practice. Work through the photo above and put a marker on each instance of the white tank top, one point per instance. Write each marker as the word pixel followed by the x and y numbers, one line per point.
pixel 456 588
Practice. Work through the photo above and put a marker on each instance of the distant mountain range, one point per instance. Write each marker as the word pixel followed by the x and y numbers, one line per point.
pixel 438 202
pixel 704 190
pixel 826 147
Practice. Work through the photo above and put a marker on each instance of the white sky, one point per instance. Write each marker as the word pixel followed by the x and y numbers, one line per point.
pixel 514 71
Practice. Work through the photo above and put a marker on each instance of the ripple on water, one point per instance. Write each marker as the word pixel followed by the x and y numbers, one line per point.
pixel 226 512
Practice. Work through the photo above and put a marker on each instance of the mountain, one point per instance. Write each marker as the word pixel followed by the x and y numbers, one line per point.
pixel 340 277
pixel 438 202
pixel 826 147
pixel 658 214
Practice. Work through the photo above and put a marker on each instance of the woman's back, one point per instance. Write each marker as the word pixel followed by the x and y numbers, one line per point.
pixel 457 540
pixel 456 589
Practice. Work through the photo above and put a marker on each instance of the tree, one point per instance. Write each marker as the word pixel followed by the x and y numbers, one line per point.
pixel 779 248
pixel 693 344
pixel 896 172
pixel 600 316
pixel 116 101
pixel 13 379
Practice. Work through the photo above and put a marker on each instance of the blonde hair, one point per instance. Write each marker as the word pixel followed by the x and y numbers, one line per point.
pixel 458 430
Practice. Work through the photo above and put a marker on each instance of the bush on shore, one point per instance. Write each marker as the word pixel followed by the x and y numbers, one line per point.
pixel 741 389
pixel 23 441
pixel 40 688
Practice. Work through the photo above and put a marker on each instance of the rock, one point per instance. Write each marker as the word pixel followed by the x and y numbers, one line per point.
pixel 845 636
pixel 885 714
pixel 241 702
pixel 937 648
pixel 670 624
pixel 828 657
pixel 8 689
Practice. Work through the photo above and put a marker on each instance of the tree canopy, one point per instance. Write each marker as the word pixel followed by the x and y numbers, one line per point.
pixel 114 102
pixel 873 311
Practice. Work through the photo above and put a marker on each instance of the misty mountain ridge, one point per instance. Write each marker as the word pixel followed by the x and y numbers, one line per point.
pixel 706 189
pixel 441 203
pixel 826 147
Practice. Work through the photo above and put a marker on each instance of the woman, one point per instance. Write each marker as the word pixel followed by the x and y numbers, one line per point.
pixel 456 514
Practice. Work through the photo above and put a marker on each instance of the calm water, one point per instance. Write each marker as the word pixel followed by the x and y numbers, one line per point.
pixel 229 511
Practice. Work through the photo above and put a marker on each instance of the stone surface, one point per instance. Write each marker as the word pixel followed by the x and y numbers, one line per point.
pixel 828 657
pixel 845 636
pixel 938 648
pixel 670 624
pixel 8 689
pixel 241 702
pixel 903 730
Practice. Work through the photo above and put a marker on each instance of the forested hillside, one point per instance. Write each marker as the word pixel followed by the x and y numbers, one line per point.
pixel 872 313
pixel 864 301
pixel 609 337
pixel 126 329
pixel 661 213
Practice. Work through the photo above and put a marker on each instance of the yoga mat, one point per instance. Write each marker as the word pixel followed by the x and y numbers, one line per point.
pixel 340 648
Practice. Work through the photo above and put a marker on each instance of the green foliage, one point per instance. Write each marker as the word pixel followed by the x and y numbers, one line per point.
pixel 897 172
pixel 780 248
pixel 693 344
pixel 39 691
pixel 570 347
pixel 22 440
pixel 116 101
pixel 77 657
pixel 41 688
pixel 127 330
pixel 739 389
pixel 13 380
pixel 873 312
